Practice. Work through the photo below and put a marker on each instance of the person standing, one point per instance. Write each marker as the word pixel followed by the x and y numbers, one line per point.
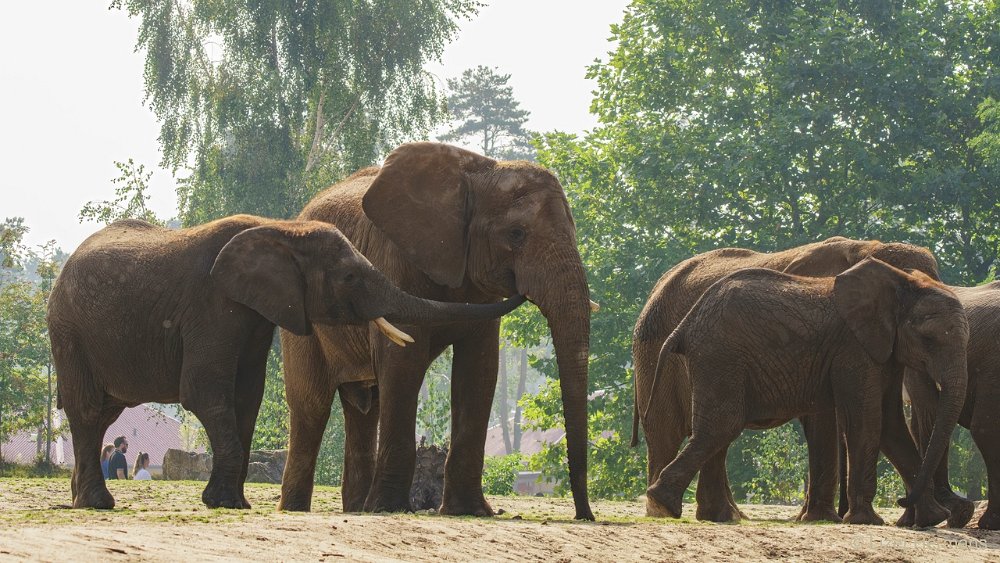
pixel 105 458
pixel 140 472
pixel 117 465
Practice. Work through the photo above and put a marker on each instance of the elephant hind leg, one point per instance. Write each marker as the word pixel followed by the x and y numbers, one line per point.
pixel 88 429
pixel 986 434
pixel 714 497
pixel 712 436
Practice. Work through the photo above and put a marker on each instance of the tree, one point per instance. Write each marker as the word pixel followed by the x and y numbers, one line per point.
pixel 488 115
pixel 130 198
pixel 27 385
pixel 299 93
pixel 765 125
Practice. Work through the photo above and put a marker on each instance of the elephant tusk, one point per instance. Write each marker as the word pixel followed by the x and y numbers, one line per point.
pixel 393 333
pixel 594 306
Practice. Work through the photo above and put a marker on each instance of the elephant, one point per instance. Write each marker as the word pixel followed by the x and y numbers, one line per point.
pixel 982 305
pixel 449 224
pixel 673 295
pixel 141 313
pixel 763 347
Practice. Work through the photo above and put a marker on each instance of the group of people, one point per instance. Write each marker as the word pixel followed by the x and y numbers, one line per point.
pixel 115 466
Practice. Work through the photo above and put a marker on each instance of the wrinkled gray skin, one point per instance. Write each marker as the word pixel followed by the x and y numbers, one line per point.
pixel 145 314
pixel 981 413
pixel 763 347
pixel 452 225
pixel 669 422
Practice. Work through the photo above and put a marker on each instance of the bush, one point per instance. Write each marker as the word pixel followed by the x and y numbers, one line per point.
pixel 500 474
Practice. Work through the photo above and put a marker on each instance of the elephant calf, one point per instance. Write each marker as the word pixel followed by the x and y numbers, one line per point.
pixel 141 313
pixel 763 347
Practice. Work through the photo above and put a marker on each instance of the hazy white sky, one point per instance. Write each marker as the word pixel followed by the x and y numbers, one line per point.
pixel 72 101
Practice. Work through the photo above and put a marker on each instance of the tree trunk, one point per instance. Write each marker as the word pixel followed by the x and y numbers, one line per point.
pixel 504 409
pixel 48 419
pixel 521 380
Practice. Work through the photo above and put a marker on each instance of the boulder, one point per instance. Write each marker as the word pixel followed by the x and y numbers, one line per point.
pixel 179 465
pixel 266 466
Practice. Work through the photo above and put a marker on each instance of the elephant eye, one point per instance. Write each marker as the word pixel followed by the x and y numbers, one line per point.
pixel 349 278
pixel 516 235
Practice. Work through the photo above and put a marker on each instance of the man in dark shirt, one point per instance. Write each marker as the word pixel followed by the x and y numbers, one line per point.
pixel 117 466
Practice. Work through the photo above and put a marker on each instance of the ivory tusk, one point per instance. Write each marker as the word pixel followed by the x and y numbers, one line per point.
pixel 594 306
pixel 393 333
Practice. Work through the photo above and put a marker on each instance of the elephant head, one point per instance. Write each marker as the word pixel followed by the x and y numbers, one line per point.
pixel 504 228
pixel 299 273
pixel 919 323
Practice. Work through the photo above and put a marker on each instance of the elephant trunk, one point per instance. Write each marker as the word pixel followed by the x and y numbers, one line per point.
pixel 950 404
pixel 401 307
pixel 567 309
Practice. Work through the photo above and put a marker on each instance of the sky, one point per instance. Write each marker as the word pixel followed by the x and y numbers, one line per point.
pixel 72 102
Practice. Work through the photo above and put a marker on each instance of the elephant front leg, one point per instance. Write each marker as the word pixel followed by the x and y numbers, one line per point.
pixel 824 444
pixel 473 382
pixel 986 433
pixel 249 394
pixel 360 429
pixel 400 374
pixel 210 396
pixel 862 424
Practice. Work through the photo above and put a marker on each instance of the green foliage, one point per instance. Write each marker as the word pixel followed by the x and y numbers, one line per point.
pixel 890 485
pixel 271 432
pixel 130 198
pixel 263 104
pixel 500 473
pixel 488 115
pixel 330 461
pixel 434 408
pixel 27 382
pixel 769 466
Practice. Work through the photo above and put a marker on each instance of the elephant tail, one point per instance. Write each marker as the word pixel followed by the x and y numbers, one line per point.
pixel 675 344
pixel 635 419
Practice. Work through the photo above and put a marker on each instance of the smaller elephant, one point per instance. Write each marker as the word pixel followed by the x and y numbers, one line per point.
pixel 763 347
pixel 141 313
pixel 981 414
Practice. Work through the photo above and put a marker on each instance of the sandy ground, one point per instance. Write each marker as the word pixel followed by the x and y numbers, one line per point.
pixel 165 521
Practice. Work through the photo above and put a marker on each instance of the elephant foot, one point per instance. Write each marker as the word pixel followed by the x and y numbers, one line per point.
pixel 961 510
pixel 222 497
pixel 819 514
pixel 990 520
pixel 865 516
pixel 246 503
pixel 661 503
pixel 929 512
pixel 295 501
pixel 724 513
pixel 452 506
pixel 99 498
pixel 908 519
pixel 378 502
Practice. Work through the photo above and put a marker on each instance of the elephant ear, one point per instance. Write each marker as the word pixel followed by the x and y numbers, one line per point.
pixel 867 298
pixel 419 200
pixel 258 269
pixel 827 258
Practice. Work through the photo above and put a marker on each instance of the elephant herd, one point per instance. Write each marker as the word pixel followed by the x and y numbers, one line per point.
pixel 442 242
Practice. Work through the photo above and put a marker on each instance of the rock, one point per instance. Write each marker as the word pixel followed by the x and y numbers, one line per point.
pixel 179 465
pixel 266 466
pixel 428 477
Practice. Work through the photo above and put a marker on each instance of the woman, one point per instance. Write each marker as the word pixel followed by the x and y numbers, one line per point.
pixel 105 457
pixel 139 472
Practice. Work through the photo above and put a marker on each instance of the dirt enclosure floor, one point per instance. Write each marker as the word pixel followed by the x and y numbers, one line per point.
pixel 165 521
